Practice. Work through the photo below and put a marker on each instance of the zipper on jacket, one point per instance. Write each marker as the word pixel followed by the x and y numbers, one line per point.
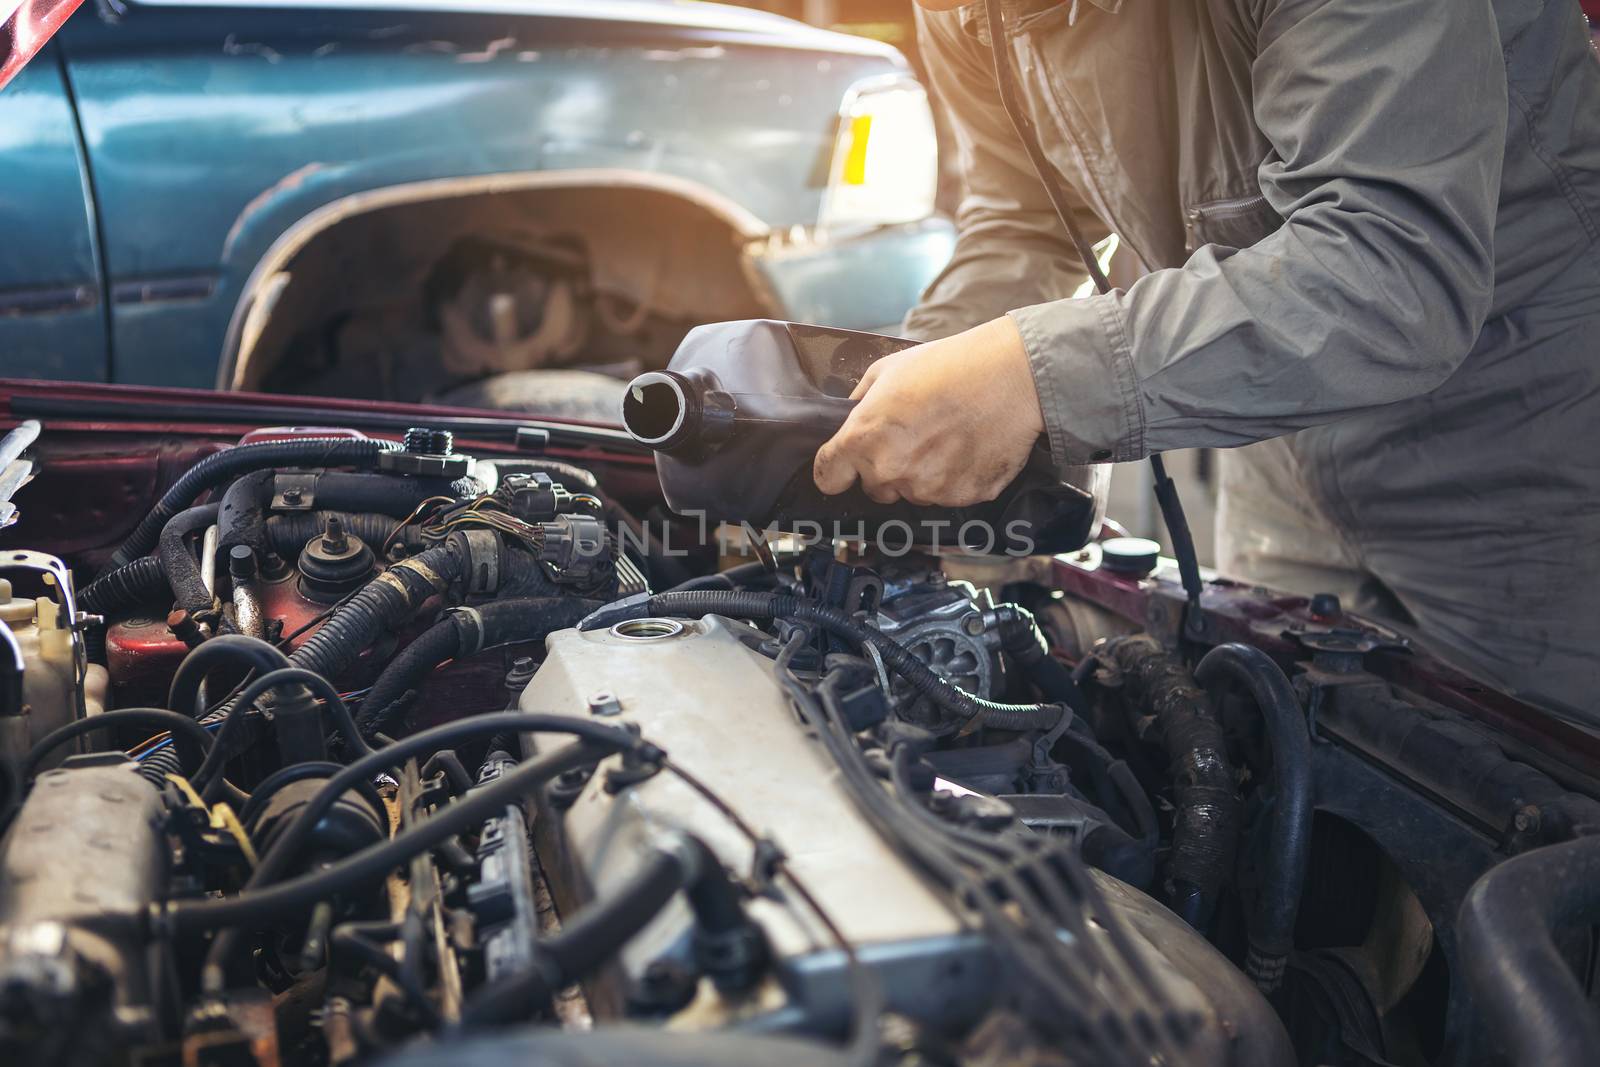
pixel 1215 209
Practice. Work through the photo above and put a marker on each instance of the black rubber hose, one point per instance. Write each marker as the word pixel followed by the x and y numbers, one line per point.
pixel 243 518
pixel 1205 829
pixel 351 940
pixel 284 776
pixel 288 533
pixel 1288 845
pixel 378 498
pixel 223 467
pixel 1518 975
pixel 465 632
pixel 208 776
pixel 586 942
pixel 395 688
pixel 255 907
pixel 128 586
pixel 975 711
pixel 178 560
pixel 1020 636
pixel 562 472
pixel 208 914
pixel 185 732
pixel 523 576
pixel 236 650
pixel 383 494
pixel 388 600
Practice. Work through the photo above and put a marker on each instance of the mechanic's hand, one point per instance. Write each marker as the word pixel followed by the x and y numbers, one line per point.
pixel 949 422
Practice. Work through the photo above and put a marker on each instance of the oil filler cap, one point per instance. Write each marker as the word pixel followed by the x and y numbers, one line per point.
pixel 1133 556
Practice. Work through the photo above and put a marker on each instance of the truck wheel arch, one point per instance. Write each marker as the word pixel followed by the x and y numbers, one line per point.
pixel 729 236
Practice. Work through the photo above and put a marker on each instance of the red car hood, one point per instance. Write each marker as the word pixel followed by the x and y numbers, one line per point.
pixel 25 25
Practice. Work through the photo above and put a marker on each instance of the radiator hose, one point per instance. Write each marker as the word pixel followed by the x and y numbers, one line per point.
pixel 1205 829
pixel 1519 977
pixel 1287 850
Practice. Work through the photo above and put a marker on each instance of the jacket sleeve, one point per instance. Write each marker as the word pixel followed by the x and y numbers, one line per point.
pixel 1387 122
pixel 1010 248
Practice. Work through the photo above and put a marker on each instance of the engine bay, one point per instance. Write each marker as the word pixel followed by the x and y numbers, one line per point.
pixel 323 747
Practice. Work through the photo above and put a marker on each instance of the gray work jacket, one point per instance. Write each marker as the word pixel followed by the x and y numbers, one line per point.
pixel 1369 223
pixel 1345 206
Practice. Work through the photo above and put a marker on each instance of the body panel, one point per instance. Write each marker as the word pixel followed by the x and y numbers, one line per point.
pixel 52 323
pixel 214 129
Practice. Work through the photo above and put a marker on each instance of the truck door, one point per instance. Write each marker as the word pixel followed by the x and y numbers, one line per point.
pixel 52 307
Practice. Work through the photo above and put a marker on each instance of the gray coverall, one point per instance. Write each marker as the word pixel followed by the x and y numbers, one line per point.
pixel 1370 225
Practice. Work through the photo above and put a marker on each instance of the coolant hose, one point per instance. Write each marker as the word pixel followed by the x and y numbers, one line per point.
pixel 757 605
pixel 732 578
pixel 1517 973
pixel 1205 828
pixel 127 586
pixel 182 569
pixel 388 600
pixel 1287 850
pixel 465 632
pixel 394 690
pixel 223 467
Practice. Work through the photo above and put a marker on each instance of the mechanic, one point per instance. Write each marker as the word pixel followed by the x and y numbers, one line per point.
pixel 1370 234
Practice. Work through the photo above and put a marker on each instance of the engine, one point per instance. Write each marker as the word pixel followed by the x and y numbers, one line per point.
pixel 356 751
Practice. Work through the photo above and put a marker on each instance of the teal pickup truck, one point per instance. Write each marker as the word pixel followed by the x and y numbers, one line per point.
pixel 498 202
